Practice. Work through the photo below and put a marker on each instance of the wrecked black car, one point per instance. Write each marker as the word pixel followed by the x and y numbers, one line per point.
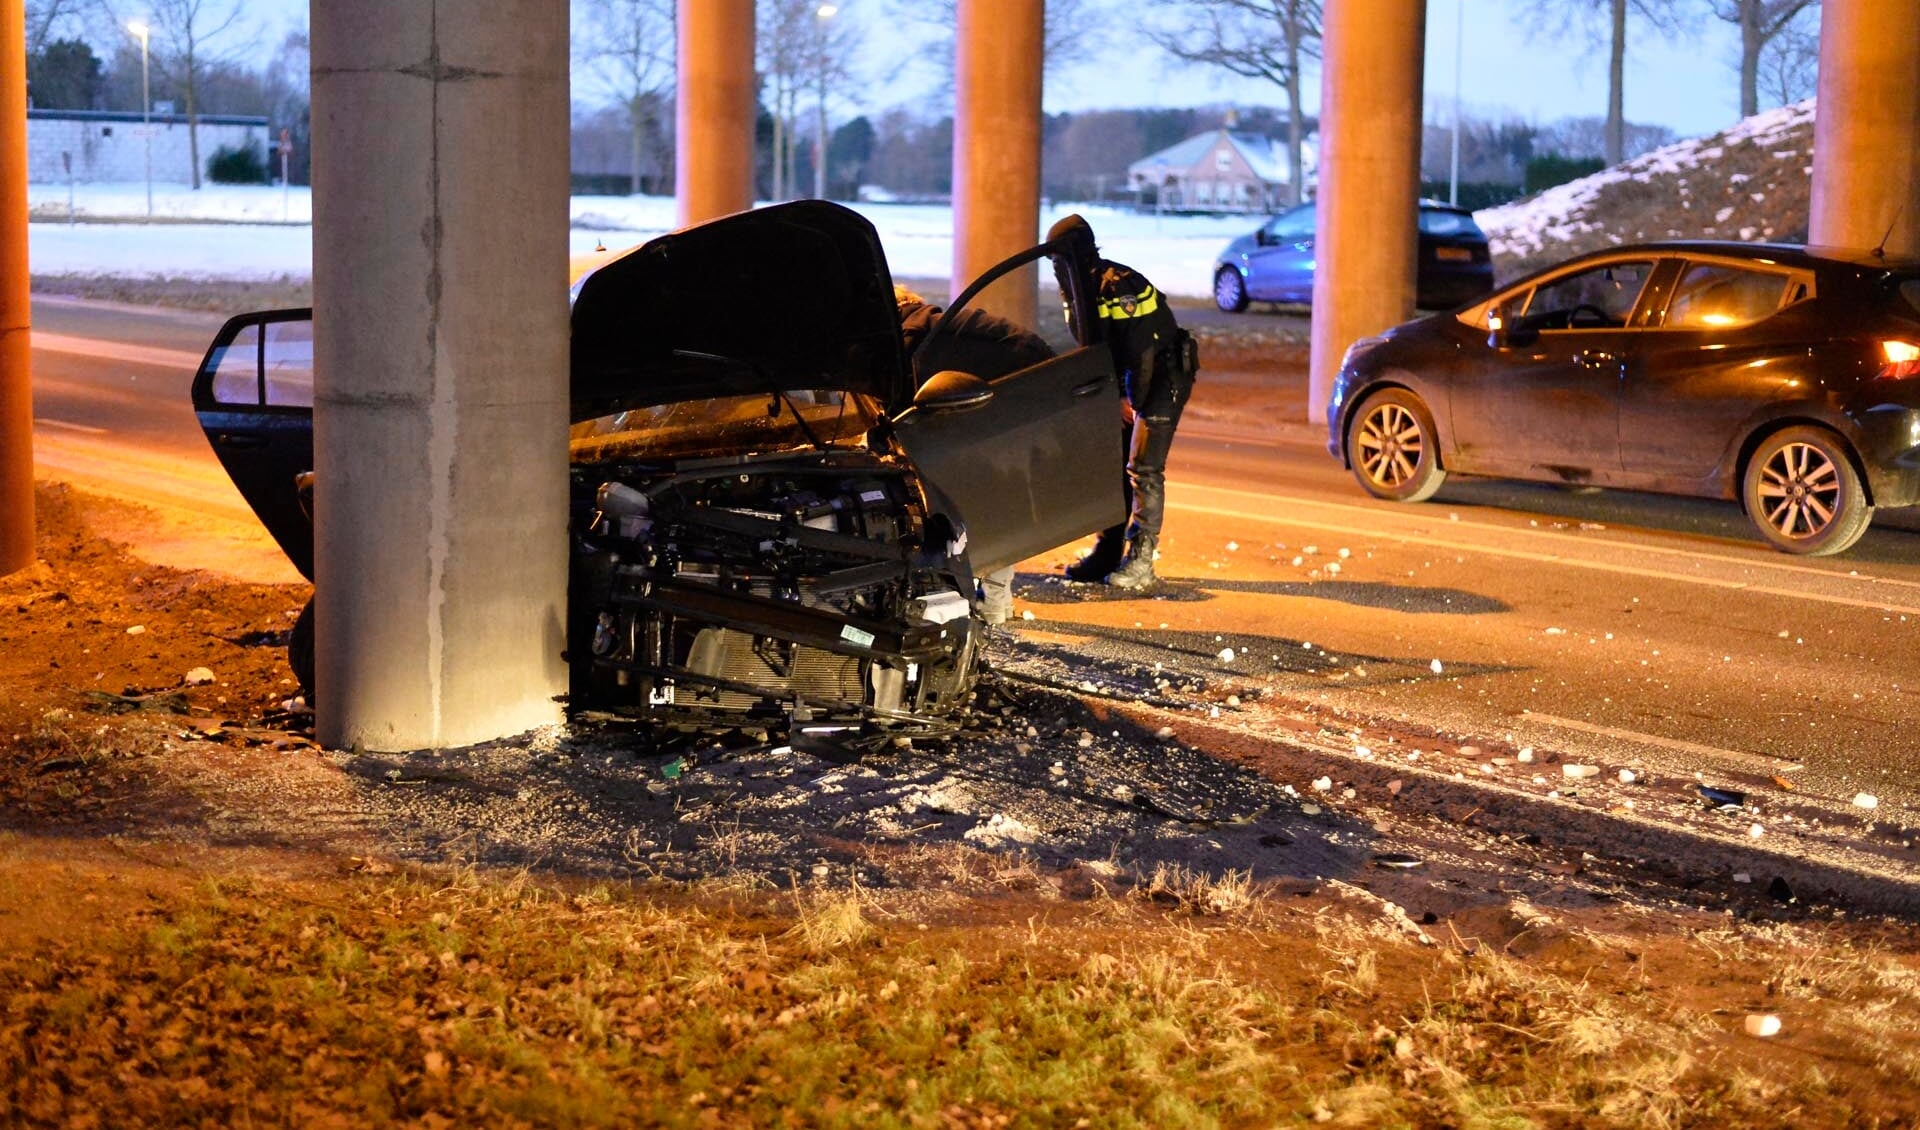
pixel 775 519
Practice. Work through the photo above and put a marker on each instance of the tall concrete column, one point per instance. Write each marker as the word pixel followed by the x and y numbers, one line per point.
pixel 440 349
pixel 16 352
pixel 713 132
pixel 1373 52
pixel 1866 132
pixel 997 59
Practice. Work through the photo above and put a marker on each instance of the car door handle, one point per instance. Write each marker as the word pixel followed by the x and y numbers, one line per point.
pixel 1091 387
pixel 231 439
pixel 1594 358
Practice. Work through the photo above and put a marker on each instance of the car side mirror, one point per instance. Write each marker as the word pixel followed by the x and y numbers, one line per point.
pixel 950 390
pixel 1261 238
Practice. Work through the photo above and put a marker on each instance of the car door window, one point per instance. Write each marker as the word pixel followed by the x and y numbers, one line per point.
pixel 236 371
pixel 1597 298
pixel 1291 227
pixel 287 363
pixel 1719 295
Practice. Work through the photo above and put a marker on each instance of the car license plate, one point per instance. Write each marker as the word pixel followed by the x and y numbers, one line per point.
pixel 1453 254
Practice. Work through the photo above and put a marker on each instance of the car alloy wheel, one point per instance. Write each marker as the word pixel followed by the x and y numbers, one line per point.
pixel 1803 494
pixel 1229 290
pixel 1392 447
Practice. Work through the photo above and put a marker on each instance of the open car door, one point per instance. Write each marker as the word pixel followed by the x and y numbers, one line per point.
pixel 254 397
pixel 1032 460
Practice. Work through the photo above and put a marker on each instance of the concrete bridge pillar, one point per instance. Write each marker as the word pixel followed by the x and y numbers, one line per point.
pixel 998 53
pixel 1373 54
pixel 440 134
pixel 713 137
pixel 16 349
pixel 1866 132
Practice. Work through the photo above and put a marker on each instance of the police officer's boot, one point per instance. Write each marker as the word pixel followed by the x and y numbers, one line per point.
pixel 1136 572
pixel 1107 551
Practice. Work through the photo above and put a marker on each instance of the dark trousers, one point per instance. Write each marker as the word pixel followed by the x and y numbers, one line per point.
pixel 1144 443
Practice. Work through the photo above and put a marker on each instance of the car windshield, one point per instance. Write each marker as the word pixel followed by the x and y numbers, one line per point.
pixel 726 425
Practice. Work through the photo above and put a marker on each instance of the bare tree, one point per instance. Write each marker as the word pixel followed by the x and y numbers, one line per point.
pixel 187 30
pixel 1790 64
pixel 806 47
pixel 1064 36
pixel 1603 21
pixel 1272 40
pixel 1760 23
pixel 43 17
pixel 628 45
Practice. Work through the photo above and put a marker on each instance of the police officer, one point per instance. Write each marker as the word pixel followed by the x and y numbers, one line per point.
pixel 1156 361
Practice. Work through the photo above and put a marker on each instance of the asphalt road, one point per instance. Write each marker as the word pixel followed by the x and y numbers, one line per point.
pixel 1632 630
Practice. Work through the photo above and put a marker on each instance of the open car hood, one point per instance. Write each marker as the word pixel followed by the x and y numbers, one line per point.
pixel 796 296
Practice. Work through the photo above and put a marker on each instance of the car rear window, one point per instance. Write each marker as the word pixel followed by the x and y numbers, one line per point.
pixel 1435 221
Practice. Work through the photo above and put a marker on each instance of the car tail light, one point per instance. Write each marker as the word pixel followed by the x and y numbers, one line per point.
pixel 1903 360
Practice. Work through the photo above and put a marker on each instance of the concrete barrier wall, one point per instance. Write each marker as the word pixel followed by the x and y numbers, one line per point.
pixel 110 146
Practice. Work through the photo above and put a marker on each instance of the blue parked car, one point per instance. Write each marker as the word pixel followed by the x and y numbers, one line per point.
pixel 1275 262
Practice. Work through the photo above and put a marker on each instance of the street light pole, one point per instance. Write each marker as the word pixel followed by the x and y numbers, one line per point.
pixel 821 14
pixel 139 28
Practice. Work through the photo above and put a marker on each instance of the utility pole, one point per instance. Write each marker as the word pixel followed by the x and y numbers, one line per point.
pixel 821 15
pixel 16 350
pixel 140 28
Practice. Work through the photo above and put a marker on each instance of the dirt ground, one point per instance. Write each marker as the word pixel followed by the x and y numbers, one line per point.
pixel 172 844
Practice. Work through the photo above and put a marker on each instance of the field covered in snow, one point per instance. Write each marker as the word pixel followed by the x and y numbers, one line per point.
pixel 249 233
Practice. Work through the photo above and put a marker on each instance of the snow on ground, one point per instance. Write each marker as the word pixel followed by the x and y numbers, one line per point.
pixel 1558 215
pixel 244 236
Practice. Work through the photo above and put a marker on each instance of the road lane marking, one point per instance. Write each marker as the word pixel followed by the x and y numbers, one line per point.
pixel 116 351
pixel 1764 761
pixel 1787 566
pixel 50 422
pixel 1554 559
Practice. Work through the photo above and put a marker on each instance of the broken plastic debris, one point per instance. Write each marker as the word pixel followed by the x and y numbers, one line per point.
pixel 1722 798
pixel 137 630
pixel 1763 1024
pixel 1436 666
pixel 1226 655
pixel 1311 809
pixel 1579 771
pixel 672 769
pixel 1742 877
pixel 1395 859
pixel 198 677
pixel 1865 800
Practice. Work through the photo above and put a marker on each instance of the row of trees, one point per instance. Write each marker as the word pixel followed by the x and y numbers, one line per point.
pixel 206 58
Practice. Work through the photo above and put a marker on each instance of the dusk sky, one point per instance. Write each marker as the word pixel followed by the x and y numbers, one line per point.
pixel 1687 82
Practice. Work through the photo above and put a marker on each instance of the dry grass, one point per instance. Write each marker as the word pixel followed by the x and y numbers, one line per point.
pixel 474 997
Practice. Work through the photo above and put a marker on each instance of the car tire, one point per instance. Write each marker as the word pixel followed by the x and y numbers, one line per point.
pixel 1393 448
pixel 1230 290
pixel 300 651
pixel 1802 493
